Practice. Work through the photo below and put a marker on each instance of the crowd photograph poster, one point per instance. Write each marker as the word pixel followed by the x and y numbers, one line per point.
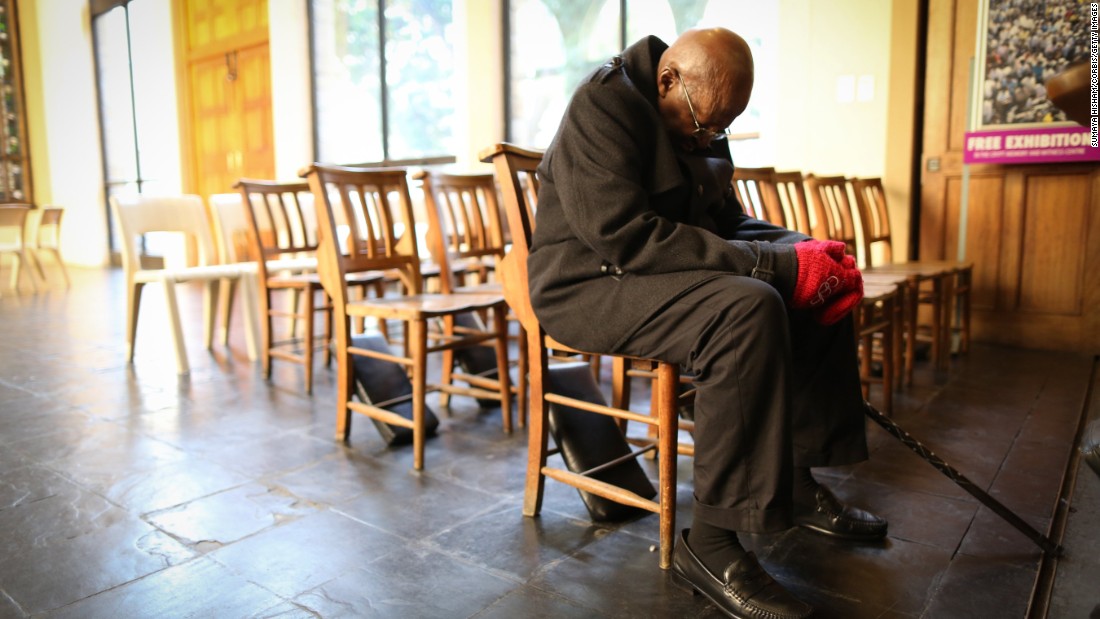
pixel 1021 45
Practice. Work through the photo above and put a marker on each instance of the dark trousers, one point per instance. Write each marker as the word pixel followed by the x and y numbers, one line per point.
pixel 775 390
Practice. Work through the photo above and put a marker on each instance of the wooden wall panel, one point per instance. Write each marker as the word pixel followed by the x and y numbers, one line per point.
pixel 983 244
pixel 1055 233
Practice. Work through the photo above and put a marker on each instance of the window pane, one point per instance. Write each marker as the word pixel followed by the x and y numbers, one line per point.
pixel 419 78
pixel 554 44
pixel 116 111
pixel 346 70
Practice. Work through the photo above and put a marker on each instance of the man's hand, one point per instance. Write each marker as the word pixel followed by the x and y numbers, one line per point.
pixel 829 284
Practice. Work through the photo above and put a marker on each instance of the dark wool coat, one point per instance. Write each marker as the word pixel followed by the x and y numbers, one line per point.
pixel 626 222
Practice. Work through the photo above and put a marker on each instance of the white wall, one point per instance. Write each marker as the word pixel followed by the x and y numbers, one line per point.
pixel 824 44
pixel 66 159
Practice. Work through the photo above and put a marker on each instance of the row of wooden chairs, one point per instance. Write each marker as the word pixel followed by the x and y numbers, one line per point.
pixel 855 211
pixel 27 234
pixel 348 236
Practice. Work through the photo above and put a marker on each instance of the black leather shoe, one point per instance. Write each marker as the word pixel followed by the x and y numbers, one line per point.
pixel 744 591
pixel 829 516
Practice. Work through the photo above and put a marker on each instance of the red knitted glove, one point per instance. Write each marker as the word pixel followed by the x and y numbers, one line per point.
pixel 826 280
pixel 838 306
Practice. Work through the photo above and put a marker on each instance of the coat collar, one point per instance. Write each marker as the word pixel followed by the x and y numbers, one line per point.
pixel 640 63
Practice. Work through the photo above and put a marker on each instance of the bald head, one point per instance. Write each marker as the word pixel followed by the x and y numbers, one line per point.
pixel 716 66
pixel 717 62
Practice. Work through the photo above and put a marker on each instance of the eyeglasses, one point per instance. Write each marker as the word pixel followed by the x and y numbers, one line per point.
pixel 700 132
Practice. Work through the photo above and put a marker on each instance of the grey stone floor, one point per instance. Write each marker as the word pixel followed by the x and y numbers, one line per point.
pixel 126 491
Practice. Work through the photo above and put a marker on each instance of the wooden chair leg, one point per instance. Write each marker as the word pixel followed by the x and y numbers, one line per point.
pixel 268 332
pixel 522 394
pixel 913 305
pixel 667 386
pixel 448 361
pixel 343 376
pixel 418 334
pixel 887 340
pixel 307 336
pixel 500 324
pixel 964 283
pixel 328 327
pixel 537 435
pixel 947 296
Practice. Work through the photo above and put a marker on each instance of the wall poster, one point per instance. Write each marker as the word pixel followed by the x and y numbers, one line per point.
pixel 1020 45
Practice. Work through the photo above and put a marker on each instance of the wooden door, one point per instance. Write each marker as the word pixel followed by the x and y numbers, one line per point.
pixel 229 85
pixel 1032 231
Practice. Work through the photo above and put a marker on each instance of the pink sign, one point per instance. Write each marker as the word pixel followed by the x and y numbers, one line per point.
pixel 1036 145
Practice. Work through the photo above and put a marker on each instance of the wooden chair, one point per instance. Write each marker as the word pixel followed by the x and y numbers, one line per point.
pixel 278 244
pixel 464 226
pixel 45 237
pixel 924 284
pixel 870 199
pixel 513 166
pixel 137 215
pixel 757 192
pixel 13 241
pixel 380 236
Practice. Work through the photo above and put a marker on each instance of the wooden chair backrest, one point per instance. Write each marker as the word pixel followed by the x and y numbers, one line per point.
pixel 281 217
pixel 379 233
pixel 874 217
pixel 831 204
pixel 516 173
pixel 13 218
pixel 49 227
pixel 464 219
pixel 756 190
pixel 137 215
pixel 792 197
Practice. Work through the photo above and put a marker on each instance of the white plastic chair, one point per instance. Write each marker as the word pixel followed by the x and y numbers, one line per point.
pixel 137 215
